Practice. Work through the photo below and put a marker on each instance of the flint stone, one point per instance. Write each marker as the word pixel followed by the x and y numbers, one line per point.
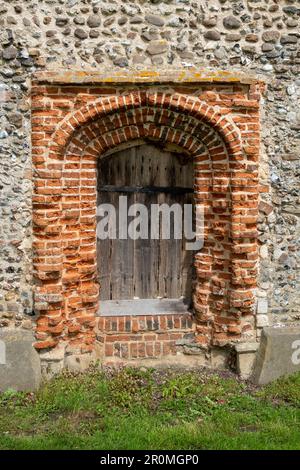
pixel 20 367
pixel 291 23
pixel 154 19
pixel 291 209
pixel 61 21
pixel 3 134
pixel 212 35
pixel 291 10
pixel 94 21
pixel 94 33
pixel 150 35
pixel 289 39
pixel 11 20
pixel 267 47
pixel 79 20
pixel 233 37
pixel 220 53
pixel 231 22
pixel 271 36
pixel 136 20
pixel 278 354
pixel 121 61
pixel 10 53
pixel 264 253
pixel 290 156
pixel 157 47
pixel 251 37
pixel 109 9
pixel 80 33
pixel 122 20
pixel 209 22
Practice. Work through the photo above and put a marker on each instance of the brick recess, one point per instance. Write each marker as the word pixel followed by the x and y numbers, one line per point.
pixel 218 126
pixel 130 337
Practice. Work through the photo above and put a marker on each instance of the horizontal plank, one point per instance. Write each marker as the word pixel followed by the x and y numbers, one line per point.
pixel 110 308
pixel 144 189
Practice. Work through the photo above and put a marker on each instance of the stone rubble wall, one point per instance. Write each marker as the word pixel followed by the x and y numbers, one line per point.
pixel 256 37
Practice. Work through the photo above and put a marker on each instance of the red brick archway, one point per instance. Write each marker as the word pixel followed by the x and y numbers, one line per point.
pixel 65 208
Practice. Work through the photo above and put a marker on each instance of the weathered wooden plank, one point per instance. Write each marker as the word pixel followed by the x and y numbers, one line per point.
pixel 144 189
pixel 104 248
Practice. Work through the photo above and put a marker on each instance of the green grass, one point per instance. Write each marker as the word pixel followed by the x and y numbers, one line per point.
pixel 148 409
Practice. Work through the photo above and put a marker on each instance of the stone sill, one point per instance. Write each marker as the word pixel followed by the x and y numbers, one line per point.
pixel 183 76
pixel 142 307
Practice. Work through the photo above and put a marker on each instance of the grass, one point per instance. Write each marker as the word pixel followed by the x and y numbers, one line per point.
pixel 150 409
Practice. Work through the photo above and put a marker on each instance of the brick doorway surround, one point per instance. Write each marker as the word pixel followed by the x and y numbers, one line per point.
pixel 76 118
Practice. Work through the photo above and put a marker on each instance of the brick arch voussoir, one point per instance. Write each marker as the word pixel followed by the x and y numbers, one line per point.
pixel 186 141
pixel 140 116
pixel 113 127
pixel 101 142
pixel 177 102
pixel 210 116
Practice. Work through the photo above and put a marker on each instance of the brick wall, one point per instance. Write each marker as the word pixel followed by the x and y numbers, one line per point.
pixel 151 336
pixel 216 124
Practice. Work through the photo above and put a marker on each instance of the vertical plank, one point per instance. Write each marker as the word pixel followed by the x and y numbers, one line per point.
pixel 103 260
pixel 104 246
pixel 127 246
pixel 142 248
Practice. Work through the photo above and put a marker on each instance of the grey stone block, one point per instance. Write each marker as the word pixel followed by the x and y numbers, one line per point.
pixel 278 354
pixel 20 367
pixel 246 353
pixel 80 362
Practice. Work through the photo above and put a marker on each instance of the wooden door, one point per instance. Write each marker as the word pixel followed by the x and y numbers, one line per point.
pixel 145 268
